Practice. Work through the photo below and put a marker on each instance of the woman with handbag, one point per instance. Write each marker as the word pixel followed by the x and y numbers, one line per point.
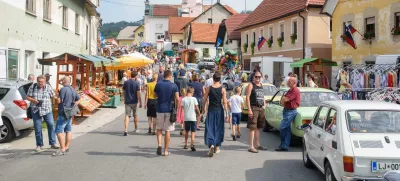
pixel 214 126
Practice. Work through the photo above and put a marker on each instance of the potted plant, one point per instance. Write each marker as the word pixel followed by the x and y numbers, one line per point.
pixel 293 38
pixel 396 31
pixel 245 46
pixel 343 37
pixel 269 42
pixel 252 48
pixel 280 41
pixel 368 36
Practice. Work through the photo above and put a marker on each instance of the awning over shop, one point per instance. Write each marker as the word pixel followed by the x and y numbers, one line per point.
pixel 98 61
pixel 301 63
pixel 169 53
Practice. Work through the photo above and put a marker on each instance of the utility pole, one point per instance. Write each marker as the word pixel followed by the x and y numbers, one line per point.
pixel 245 6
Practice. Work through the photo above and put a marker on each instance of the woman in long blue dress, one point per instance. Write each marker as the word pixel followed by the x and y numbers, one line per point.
pixel 214 125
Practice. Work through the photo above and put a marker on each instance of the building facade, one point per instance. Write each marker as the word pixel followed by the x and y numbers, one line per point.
pixel 42 29
pixel 139 35
pixel 127 36
pixel 284 32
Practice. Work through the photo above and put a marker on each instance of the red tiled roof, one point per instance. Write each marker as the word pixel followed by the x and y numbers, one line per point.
pixel 230 9
pixel 271 9
pixel 177 23
pixel 204 32
pixel 165 10
pixel 232 23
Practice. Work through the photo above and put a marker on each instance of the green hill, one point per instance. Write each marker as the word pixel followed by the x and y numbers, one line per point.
pixel 111 30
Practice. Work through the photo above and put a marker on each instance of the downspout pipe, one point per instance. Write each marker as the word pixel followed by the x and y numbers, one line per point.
pixel 304 35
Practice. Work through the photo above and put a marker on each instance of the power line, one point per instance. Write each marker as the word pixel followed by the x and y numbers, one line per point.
pixel 112 2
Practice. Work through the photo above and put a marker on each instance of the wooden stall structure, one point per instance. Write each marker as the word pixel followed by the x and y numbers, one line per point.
pixel 188 55
pixel 312 65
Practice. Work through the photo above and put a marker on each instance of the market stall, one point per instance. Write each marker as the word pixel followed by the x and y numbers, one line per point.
pixel 313 66
pixel 188 55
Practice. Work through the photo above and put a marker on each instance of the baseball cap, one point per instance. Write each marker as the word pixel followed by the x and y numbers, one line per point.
pixel 47 75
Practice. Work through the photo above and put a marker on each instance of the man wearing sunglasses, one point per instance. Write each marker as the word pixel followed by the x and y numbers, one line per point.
pixel 255 103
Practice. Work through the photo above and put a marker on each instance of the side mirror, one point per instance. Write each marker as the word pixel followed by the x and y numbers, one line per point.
pixel 304 127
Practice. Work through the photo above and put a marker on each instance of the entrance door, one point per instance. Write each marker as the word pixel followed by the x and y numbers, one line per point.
pixel 278 72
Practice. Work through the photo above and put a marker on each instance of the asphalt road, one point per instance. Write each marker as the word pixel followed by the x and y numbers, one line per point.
pixel 105 154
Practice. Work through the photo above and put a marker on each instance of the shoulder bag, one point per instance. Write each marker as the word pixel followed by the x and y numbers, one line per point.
pixel 69 112
pixel 172 117
pixel 29 110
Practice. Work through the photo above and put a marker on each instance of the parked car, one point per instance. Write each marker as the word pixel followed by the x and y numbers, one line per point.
pixel 227 83
pixel 269 91
pixel 206 63
pixel 353 140
pixel 310 99
pixel 13 97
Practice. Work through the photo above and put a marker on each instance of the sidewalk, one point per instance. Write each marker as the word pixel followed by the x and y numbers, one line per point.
pixel 25 143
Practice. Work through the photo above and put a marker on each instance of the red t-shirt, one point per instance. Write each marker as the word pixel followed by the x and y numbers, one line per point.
pixel 294 98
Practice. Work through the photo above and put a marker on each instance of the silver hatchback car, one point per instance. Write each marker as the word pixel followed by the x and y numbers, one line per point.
pixel 13 97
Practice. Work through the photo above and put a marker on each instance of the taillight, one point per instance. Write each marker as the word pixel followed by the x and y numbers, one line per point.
pixel 21 103
pixel 348 164
pixel 308 121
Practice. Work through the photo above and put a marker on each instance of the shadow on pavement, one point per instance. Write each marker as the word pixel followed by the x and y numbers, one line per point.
pixel 283 170
pixel 138 154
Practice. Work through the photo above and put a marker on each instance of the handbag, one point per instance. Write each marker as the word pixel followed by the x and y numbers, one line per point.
pixel 173 114
pixel 29 109
pixel 72 111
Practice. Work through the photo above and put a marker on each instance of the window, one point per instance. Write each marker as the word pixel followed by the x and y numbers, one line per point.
pixel 294 27
pixel 320 119
pixel 397 20
pixel 65 17
pixel 254 37
pixel 206 52
pixel 247 38
pixel 345 24
pixel 210 21
pixel 46 9
pixel 330 126
pixel 370 26
pixel 369 62
pixel 261 32
pixel 271 32
pixel 12 64
pixel 29 57
pixel 31 6
pixel 330 28
pixel 3 92
pixel 282 31
pixel 77 23
pixel 87 37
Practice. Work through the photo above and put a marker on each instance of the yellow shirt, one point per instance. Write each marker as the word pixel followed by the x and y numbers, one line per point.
pixel 150 87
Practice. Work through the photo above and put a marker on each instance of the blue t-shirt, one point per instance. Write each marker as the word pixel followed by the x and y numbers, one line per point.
pixel 131 88
pixel 182 72
pixel 160 76
pixel 198 89
pixel 68 98
pixel 165 91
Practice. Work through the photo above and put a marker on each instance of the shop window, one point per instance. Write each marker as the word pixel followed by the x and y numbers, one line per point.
pixel 65 17
pixel 31 6
pixel 77 23
pixel 370 26
pixel 282 31
pixel 47 9
pixel 397 20
pixel 206 52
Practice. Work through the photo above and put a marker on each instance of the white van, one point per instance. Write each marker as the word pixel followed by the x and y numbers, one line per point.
pixel 388 59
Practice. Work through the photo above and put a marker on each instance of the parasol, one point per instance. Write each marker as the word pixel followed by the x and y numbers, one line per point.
pixel 130 61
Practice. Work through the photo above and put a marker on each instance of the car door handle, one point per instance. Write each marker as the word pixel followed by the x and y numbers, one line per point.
pixel 318 135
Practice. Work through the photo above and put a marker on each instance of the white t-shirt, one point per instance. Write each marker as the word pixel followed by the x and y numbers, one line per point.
pixel 311 83
pixel 189 107
pixel 236 103
pixel 1 110
pixel 209 82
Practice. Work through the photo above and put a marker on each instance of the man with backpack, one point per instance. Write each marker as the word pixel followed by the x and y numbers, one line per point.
pixel 67 108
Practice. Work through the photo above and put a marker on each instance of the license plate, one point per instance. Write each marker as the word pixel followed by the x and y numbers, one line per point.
pixel 377 166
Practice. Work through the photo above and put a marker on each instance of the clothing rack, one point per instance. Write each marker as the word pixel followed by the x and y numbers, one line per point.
pixel 387 94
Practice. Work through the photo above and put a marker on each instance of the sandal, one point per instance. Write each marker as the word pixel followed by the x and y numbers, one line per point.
pixel 252 150
pixel 261 148
pixel 159 150
pixel 59 153
pixel 193 148
pixel 169 153
pixel 181 133
pixel 185 147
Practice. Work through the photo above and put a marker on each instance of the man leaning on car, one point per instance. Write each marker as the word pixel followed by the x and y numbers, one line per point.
pixel 40 95
pixel 290 102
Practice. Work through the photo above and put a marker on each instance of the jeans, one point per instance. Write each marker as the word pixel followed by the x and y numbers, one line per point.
pixel 285 131
pixel 37 124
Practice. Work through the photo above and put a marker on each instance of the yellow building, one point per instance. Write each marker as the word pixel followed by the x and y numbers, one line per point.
pixel 372 18
pixel 139 35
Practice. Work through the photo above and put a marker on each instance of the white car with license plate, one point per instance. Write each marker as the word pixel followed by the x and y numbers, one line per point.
pixel 353 140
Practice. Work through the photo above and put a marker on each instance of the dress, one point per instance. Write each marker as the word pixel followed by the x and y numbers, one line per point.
pixel 214 125
pixel 180 115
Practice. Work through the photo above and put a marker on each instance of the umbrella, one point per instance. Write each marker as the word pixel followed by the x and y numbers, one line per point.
pixel 131 61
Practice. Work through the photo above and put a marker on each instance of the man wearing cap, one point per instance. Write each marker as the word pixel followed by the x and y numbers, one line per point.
pixel 47 75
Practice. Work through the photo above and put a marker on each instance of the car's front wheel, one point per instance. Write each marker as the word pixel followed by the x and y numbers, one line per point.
pixel 329 176
pixel 306 159
pixel 6 133
pixel 225 86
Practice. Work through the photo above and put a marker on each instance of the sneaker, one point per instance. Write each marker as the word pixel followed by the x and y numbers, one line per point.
pixel 55 147
pixel 38 149
pixel 125 133
pixel 154 133
pixel 211 151
pixel 67 150
pixel 159 151
pixel 136 131
pixel 185 147
pixel 193 148
pixel 149 131
pixel 233 137
pixel 281 149
pixel 238 136
pixel 59 153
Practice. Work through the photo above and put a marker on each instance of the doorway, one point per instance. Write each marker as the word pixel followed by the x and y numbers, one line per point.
pixel 278 72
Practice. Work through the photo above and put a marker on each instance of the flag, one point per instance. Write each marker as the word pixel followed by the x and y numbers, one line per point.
pixel 349 36
pixel 261 42
pixel 219 42
pixel 352 30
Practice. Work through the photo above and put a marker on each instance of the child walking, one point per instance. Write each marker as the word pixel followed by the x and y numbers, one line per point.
pixel 236 103
pixel 180 114
pixel 190 107
pixel 230 110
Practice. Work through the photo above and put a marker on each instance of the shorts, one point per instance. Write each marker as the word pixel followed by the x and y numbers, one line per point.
pixel 236 117
pixel 163 122
pixel 63 125
pixel 190 126
pixel 151 108
pixel 130 110
pixel 258 120
pixel 200 101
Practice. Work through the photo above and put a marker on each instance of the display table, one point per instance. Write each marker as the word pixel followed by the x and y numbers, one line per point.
pixel 87 104
pixel 114 102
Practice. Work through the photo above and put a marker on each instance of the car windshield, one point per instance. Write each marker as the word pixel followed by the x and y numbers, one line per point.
pixel 313 99
pixel 373 121
pixel 269 90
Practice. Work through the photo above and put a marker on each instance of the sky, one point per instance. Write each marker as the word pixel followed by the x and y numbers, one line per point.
pixel 133 10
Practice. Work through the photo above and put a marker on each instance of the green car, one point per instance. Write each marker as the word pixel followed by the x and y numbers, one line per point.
pixel 310 99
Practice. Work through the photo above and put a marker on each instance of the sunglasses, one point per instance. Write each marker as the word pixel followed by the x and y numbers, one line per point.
pixel 257 77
